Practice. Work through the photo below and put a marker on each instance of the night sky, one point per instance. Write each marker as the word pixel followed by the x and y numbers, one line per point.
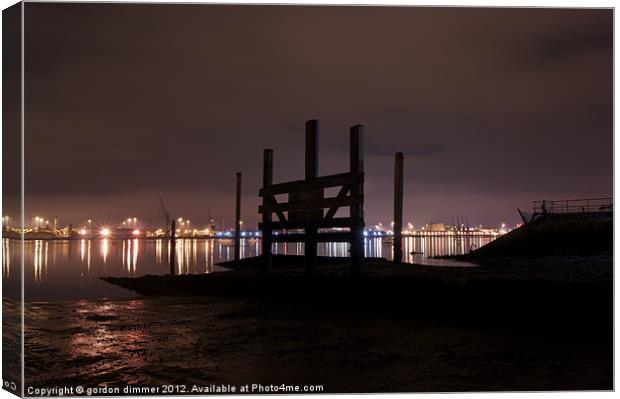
pixel 493 108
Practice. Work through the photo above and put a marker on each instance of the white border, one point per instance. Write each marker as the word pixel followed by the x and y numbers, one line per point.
pixel 480 3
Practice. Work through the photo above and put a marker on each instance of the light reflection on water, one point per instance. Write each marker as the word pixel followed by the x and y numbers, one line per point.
pixel 6 258
pixel 71 269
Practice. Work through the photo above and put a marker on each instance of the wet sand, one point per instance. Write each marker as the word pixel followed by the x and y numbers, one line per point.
pixel 345 348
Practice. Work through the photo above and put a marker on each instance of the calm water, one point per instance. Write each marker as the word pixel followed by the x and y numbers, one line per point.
pixel 60 270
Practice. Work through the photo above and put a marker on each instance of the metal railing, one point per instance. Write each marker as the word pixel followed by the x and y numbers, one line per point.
pixel 587 205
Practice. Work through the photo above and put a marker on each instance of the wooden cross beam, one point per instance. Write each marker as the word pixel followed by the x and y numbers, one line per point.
pixel 342 194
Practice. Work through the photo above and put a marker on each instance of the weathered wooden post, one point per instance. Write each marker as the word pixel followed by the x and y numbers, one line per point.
pixel 173 245
pixel 238 219
pixel 356 166
pixel 398 207
pixel 267 180
pixel 312 168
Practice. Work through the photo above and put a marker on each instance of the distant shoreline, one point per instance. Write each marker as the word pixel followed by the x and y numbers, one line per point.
pixel 384 237
pixel 117 238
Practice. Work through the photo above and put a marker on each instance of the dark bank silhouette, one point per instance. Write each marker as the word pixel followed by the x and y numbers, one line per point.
pixel 561 234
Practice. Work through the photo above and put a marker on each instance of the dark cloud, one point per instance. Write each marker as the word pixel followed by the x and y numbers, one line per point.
pixel 492 107
pixel 561 46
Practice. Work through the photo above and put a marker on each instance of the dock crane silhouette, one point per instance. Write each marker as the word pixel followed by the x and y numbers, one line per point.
pixel 166 214
pixel 212 224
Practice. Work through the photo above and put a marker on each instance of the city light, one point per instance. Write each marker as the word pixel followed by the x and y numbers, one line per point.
pixel 186 229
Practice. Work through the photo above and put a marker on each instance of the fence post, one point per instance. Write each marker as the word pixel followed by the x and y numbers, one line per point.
pixel 311 172
pixel 238 219
pixel 173 245
pixel 398 207
pixel 267 180
pixel 356 166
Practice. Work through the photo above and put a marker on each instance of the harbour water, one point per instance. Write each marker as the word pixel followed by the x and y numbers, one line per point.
pixel 64 270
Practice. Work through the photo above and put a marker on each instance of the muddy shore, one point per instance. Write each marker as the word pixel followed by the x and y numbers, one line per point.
pixel 538 324
pixel 344 348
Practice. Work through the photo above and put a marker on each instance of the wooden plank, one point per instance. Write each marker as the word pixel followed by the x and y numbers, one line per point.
pixel 339 179
pixel 237 251
pixel 398 207
pixel 320 237
pixel 344 190
pixel 266 236
pixel 281 216
pixel 323 203
pixel 324 224
pixel 312 149
pixel 309 211
pixel 173 244
pixel 309 199
pixel 356 167
pixel 271 200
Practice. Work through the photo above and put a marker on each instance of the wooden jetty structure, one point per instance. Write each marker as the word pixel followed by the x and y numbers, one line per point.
pixel 308 212
pixel 308 209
